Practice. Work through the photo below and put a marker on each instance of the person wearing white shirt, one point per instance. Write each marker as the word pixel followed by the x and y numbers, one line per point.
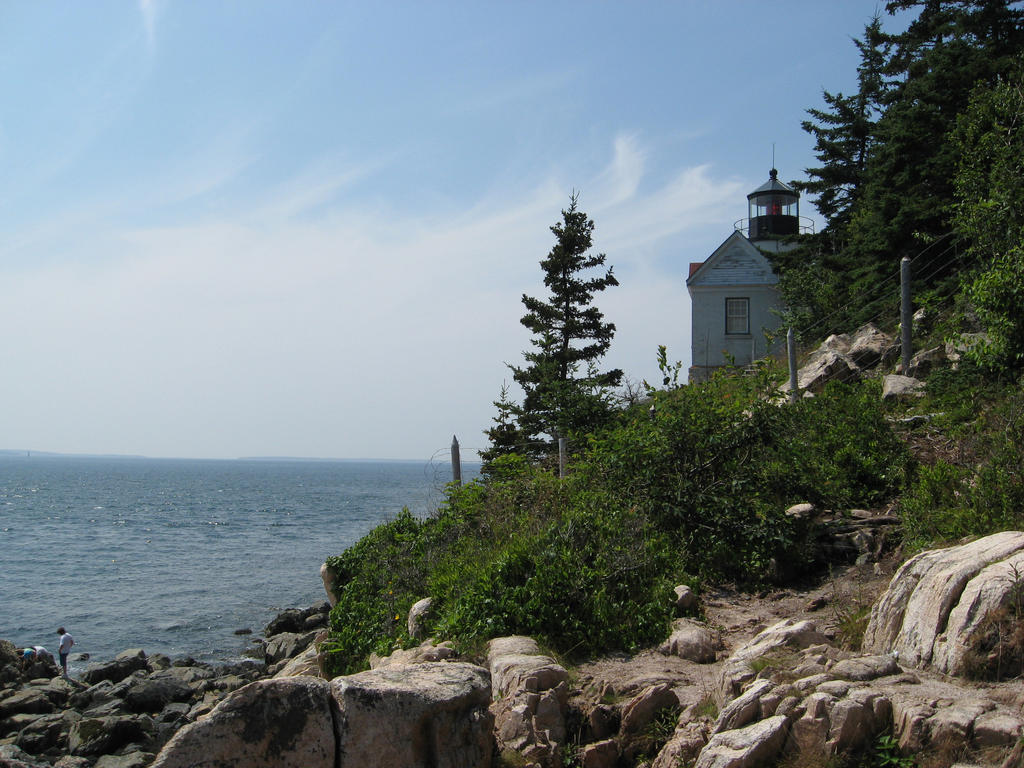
pixel 66 641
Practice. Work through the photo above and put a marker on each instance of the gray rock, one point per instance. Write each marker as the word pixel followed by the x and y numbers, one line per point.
pixel 996 729
pixel 754 745
pixel 686 600
pixel 29 701
pixel 925 362
pixel 290 620
pixel 328 578
pixel 863 668
pixel 14 757
pixel 638 713
pixel 823 367
pixel 601 754
pixel 268 724
pixel 684 746
pixel 693 641
pixel 869 346
pixel 152 695
pixel 896 387
pixel 804 511
pixel 419 614
pixel 417 715
pixel 124 664
pixel 286 645
pixel 99 736
pixel 744 709
pixel 71 761
pixel 530 692
pixel 783 636
pixel 423 653
pixel 130 760
pixel 46 732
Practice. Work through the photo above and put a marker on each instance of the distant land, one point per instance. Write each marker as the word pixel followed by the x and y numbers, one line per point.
pixel 24 454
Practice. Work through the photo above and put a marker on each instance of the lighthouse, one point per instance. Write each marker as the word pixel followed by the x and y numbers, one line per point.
pixel 734 297
pixel 773 214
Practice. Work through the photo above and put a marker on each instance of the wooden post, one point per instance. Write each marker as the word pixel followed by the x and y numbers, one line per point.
pixel 794 393
pixel 906 314
pixel 562 448
pixel 456 462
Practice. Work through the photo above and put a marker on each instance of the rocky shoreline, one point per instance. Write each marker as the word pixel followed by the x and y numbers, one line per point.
pixel 120 713
pixel 742 681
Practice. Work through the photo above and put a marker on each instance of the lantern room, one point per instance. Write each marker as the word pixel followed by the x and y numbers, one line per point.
pixel 774 210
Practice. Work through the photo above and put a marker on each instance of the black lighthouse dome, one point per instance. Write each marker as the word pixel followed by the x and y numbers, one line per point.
pixel 774 210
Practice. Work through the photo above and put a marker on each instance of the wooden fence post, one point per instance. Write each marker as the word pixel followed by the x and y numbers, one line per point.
pixel 562 443
pixel 456 462
pixel 906 314
pixel 794 393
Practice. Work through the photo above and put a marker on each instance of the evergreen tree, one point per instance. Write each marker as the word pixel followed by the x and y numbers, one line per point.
pixel 505 436
pixel 564 393
pixel 907 190
pixel 845 132
pixel 810 281
pixel 988 214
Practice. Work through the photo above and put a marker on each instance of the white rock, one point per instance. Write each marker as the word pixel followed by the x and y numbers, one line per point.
pixel 937 600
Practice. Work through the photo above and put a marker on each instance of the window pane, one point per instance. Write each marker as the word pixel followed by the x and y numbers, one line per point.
pixel 736 316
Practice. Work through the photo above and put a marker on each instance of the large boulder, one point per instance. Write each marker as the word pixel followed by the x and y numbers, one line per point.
pixel 827 366
pixel 99 736
pixel 939 604
pixel 287 645
pixel 327 576
pixel 31 701
pixel 415 716
pixel 124 664
pixel 924 362
pixel 14 757
pixel 152 694
pixel 286 723
pixel 896 387
pixel 692 640
pixel 870 346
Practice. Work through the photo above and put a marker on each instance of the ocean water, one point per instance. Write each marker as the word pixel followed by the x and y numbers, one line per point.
pixel 173 556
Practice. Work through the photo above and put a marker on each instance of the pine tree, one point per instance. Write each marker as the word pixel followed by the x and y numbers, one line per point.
pixel 564 393
pixel 505 436
pixel 904 205
pixel 845 132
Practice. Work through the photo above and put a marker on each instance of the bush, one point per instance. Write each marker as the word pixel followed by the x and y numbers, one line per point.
pixel 717 465
pixel 983 494
pixel 587 564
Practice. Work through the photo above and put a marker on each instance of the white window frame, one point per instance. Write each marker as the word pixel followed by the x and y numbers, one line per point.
pixel 734 318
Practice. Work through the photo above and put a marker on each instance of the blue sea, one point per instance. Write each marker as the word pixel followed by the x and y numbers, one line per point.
pixel 173 556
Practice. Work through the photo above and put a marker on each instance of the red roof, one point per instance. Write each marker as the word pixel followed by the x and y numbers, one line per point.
pixel 694 266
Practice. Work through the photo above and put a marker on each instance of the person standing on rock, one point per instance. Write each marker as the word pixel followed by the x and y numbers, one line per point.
pixel 66 641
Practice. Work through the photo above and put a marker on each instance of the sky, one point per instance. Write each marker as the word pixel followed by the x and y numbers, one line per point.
pixel 243 228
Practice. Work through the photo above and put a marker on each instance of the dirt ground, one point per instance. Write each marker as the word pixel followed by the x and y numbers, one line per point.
pixel 738 616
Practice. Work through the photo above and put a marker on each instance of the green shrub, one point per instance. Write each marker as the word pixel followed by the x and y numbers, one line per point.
pixel 587 564
pixel 718 464
pixel 985 494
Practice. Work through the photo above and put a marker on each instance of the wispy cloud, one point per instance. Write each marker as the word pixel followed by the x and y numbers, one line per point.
pixel 149 10
pixel 341 334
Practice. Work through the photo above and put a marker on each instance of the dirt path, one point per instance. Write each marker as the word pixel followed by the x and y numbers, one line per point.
pixel 738 616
